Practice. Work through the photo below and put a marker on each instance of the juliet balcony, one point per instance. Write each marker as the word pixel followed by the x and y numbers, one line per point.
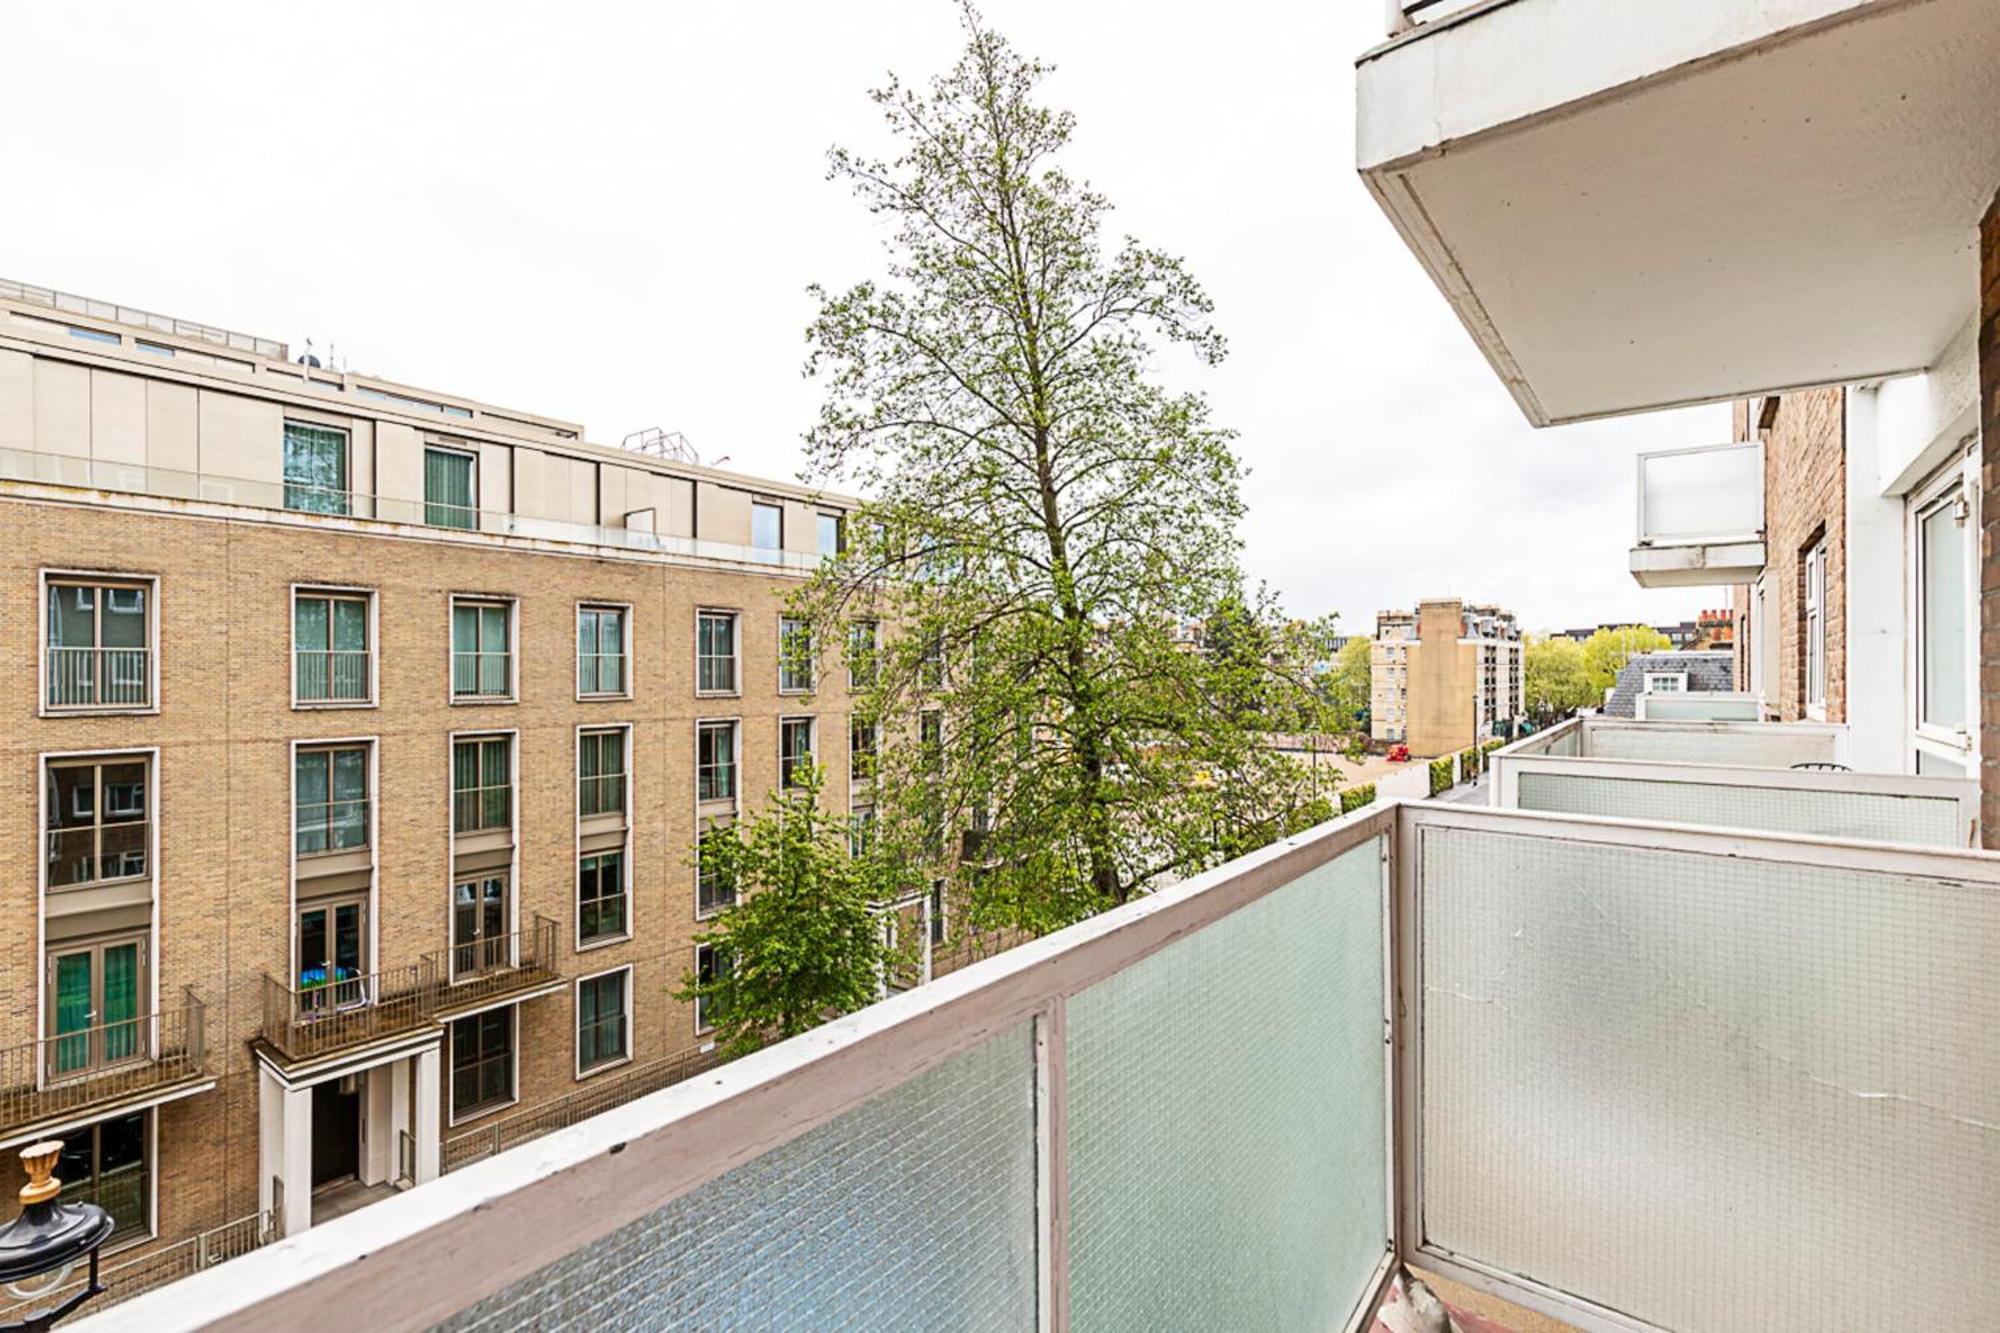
pixel 1701 516
pixel 91 1070
pixel 1632 1074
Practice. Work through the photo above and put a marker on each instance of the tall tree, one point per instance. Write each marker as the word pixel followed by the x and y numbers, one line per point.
pixel 800 944
pixel 1556 681
pixel 1606 651
pixel 1045 517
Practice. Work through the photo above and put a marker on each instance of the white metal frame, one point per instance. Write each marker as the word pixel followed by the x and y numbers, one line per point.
pixel 513 606
pixel 812 658
pixel 735 615
pixel 578 1072
pixel 333 590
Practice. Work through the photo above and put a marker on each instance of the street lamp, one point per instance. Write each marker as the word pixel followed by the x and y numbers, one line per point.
pixel 40 1248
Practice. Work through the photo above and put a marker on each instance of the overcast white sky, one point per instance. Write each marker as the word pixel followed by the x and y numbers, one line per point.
pixel 610 214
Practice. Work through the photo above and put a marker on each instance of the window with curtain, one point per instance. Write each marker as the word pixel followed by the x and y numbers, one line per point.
pixel 715 761
pixel 95 992
pixel 795 656
pixel 315 468
pixel 481 785
pixel 600 650
pixel 860 751
pixel 330 648
pixel 330 796
pixel 482 665
pixel 600 773
pixel 450 499
pixel 107 1164
pixel 863 649
pixel 713 889
pixel 715 652
pixel 600 1020
pixel 600 897
pixel 795 750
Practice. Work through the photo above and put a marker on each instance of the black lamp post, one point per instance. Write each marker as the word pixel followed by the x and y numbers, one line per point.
pixel 40 1248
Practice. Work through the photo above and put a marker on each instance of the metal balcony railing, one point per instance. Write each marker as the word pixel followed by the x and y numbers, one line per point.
pixel 481 675
pixel 1712 495
pixel 330 1013
pixel 495 965
pixel 100 678
pixel 132 1275
pixel 336 676
pixel 593 1098
pixel 73 1071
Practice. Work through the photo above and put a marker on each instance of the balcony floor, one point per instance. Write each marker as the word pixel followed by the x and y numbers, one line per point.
pixel 1474 1311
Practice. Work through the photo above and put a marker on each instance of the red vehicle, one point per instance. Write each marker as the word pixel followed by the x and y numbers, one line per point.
pixel 1399 754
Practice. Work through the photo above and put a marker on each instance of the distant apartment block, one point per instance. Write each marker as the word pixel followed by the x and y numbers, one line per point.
pixel 1445 676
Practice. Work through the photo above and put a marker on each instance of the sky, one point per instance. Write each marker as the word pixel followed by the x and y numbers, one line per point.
pixel 610 214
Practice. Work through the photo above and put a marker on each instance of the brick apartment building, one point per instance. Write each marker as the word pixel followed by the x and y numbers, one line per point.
pixel 364 733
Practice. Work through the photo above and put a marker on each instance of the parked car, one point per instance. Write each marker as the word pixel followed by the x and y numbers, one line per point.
pixel 1399 754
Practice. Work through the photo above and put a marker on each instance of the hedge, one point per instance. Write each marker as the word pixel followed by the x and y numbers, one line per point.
pixel 1441 775
pixel 1356 797
pixel 1468 765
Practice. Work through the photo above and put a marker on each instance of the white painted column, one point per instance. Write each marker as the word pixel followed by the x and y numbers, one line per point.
pixel 378 1131
pixel 1876 699
pixel 428 1130
pixel 284 1152
pixel 400 1078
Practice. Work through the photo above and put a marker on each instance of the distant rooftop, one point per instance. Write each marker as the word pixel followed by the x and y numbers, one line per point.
pixel 125 314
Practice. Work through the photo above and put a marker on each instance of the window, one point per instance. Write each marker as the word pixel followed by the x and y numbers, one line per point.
pixel 600 897
pixel 715 761
pixel 99 644
pixel 450 500
pixel 97 826
pixel 767 526
pixel 937 912
pixel 600 650
pixel 930 738
pixel 600 773
pixel 482 1062
pixel 482 659
pixel 330 657
pixel 860 751
pixel 94 1006
pixel 715 652
pixel 710 966
pixel 1942 548
pixel 1815 627
pixel 1666 682
pixel 332 944
pixel 480 939
pixel 795 750
pixel 795 656
pixel 864 648
pixel 933 665
pixel 860 832
pixel 832 535
pixel 713 889
pixel 600 1020
pixel 330 799
pixel 482 786
pixel 107 1164
pixel 315 468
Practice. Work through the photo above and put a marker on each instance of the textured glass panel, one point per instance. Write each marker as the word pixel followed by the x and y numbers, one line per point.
pixel 1931 821
pixel 915 1210
pixel 1761 745
pixel 1227 1167
pixel 1700 707
pixel 1701 495
pixel 1709 1091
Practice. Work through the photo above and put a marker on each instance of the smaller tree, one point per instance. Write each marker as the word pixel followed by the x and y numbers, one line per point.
pixel 1350 685
pixel 800 942
pixel 1606 651
pixel 1556 682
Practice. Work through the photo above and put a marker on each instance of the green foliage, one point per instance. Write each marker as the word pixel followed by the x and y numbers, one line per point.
pixel 1355 750
pixel 802 944
pixel 1468 764
pixel 1441 775
pixel 1355 797
pixel 1349 685
pixel 1556 680
pixel 1608 649
pixel 1045 520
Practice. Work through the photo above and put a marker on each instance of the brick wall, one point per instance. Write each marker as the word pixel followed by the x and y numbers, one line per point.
pixel 1989 548
pixel 1805 500
pixel 223 784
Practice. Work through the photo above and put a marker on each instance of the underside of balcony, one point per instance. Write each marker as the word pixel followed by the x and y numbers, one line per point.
pixel 1641 206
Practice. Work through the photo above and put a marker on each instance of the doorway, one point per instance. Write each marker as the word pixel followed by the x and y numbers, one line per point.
pixel 336 1132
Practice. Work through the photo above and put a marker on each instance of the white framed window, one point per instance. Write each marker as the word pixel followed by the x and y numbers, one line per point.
pixel 97 819
pixel 713 890
pixel 99 643
pixel 315 466
pixel 1666 682
pixel 601 649
pixel 717 664
pixel 710 964
pixel 1813 625
pixel 864 647
pixel 603 1020
pixel 715 760
pixel 482 1063
pixel 795 750
pixel 795 656
pixel 333 662
pixel 482 650
pixel 830 534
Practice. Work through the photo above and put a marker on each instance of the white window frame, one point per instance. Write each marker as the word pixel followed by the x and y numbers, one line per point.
pixel 576 1023
pixel 424 502
pixel 1812 626
pixel 624 610
pixel 1666 682
pixel 99 576
pixel 735 617
pixel 332 590
pixel 812 742
pixel 513 606
pixel 1957 481
pixel 812 658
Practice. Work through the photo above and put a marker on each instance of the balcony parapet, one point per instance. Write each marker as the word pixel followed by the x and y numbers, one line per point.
pixel 78 1072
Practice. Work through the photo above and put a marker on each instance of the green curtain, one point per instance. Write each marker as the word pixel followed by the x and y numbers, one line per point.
pixel 448 489
pixel 121 1001
pixel 72 1012
pixel 309 786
